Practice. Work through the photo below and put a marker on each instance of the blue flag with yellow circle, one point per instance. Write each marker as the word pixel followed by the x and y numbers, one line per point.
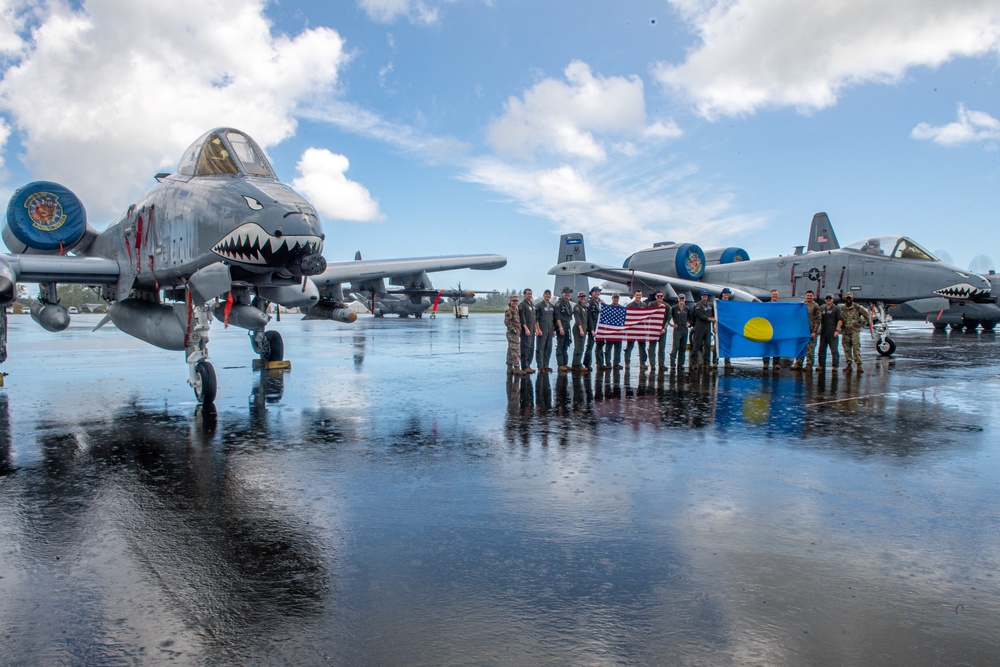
pixel 762 329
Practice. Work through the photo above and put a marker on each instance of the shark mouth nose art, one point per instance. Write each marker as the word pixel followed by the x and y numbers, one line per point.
pixel 961 291
pixel 250 244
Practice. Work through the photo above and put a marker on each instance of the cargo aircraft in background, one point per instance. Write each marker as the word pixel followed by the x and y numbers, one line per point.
pixel 881 271
pixel 219 235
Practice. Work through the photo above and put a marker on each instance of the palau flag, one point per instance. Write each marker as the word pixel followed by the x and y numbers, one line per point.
pixel 762 329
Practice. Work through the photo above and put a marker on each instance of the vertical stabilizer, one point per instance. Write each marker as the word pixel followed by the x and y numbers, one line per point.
pixel 571 250
pixel 821 236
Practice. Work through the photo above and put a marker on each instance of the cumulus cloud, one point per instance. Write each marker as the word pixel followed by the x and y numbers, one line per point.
pixel 972 126
pixel 104 95
pixel 323 181
pixel 387 11
pixel 785 53
pixel 620 211
pixel 572 118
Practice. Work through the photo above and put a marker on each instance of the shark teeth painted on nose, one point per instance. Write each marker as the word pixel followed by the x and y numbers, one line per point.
pixel 250 244
pixel 961 291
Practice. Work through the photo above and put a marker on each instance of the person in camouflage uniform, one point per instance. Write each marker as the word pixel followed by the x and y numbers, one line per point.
pixel 855 316
pixel 513 323
pixel 813 317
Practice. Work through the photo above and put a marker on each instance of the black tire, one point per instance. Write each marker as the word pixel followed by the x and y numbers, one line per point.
pixel 955 326
pixel 206 386
pixel 989 325
pixel 970 325
pixel 940 326
pixel 886 347
pixel 275 347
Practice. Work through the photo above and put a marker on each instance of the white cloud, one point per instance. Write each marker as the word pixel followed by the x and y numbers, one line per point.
pixel 569 118
pixel 324 183
pixel 775 53
pixel 105 95
pixel 387 11
pixel 972 126
pixel 620 211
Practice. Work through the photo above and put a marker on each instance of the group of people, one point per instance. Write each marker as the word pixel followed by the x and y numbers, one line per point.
pixel 533 329
pixel 828 322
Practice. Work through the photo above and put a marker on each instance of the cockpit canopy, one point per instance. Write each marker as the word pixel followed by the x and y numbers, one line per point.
pixel 225 151
pixel 899 247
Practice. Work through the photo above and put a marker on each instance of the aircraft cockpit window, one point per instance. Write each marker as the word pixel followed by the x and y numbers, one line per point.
pixel 907 249
pixel 254 163
pixel 215 159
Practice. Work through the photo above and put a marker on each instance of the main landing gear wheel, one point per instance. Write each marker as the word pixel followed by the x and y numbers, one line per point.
pixel 940 326
pixel 886 347
pixel 989 325
pixel 205 385
pixel 275 348
pixel 970 325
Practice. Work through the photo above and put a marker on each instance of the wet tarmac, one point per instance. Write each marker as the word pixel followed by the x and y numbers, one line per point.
pixel 393 501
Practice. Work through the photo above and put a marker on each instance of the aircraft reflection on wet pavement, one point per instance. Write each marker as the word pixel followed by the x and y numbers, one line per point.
pixel 356 514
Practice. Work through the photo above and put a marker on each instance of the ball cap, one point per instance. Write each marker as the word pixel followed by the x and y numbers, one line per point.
pixel 595 288
pixel 828 296
pixel 849 295
pixel 726 290
pixel 567 290
pixel 704 292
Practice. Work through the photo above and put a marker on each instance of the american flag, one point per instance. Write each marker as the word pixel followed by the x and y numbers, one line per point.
pixel 627 324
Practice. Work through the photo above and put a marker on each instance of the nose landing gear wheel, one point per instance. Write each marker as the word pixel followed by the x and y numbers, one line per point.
pixel 205 385
pixel 886 347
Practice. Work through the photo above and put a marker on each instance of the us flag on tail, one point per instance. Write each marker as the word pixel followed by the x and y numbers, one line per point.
pixel 618 323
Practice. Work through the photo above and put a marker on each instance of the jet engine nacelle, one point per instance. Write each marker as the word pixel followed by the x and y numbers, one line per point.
pixel 326 310
pixel 725 256
pixel 153 323
pixel 45 218
pixel 50 316
pixel 676 260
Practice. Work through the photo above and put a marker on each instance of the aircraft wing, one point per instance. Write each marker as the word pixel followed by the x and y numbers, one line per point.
pixel 620 275
pixel 364 270
pixel 15 268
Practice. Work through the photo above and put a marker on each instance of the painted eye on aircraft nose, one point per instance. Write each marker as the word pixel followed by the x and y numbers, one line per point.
pixel 253 203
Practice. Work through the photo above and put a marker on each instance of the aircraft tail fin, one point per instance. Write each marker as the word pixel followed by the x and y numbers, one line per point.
pixel 821 235
pixel 571 250
pixel 357 256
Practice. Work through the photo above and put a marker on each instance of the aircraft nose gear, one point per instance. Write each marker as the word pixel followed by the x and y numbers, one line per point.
pixel 880 329
pixel 202 374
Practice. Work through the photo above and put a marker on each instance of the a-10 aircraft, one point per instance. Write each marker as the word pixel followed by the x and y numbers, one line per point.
pixel 880 271
pixel 220 235
pixel 414 294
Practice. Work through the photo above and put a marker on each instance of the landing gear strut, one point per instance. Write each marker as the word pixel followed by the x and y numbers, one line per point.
pixel 880 329
pixel 201 372
pixel 268 344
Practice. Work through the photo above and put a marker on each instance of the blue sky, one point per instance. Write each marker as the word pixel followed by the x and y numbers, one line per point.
pixel 465 126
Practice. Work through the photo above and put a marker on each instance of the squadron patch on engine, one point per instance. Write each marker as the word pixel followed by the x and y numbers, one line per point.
pixel 694 262
pixel 45 211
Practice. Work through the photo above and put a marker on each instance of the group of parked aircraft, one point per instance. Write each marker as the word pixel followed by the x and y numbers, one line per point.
pixel 223 236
